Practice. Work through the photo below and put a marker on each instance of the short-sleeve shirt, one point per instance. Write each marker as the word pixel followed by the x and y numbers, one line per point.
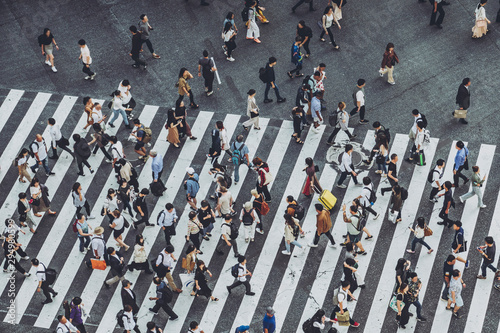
pixel 269 323
pixel 392 167
pixel 206 64
pixel 459 238
pixel 22 160
pixel 84 227
pixel 225 201
pixel 117 150
pixel 98 244
pixel 456 286
pixel 351 226
pixel 86 53
pixel 126 95
pixel 490 252
pixel 140 132
pixel 183 84
pixel 119 222
pixel 437 174
pixel 40 148
pixel 447 269
pixel 304 32
pixel 447 198
pixel 225 229
pixel 360 97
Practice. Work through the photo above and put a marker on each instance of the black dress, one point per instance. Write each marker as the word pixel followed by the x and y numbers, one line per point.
pixel 199 277
pixel 350 276
pixel 405 315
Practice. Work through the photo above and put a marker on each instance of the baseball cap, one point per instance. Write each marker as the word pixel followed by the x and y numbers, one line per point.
pixel 190 170
pixel 270 310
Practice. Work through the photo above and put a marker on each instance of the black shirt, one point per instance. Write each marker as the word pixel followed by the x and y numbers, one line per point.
pixel 304 32
pixel 458 238
pixel 490 252
pixel 141 202
pixel 136 44
pixel 447 270
pixel 270 73
pixel 206 64
pixel 392 167
pixel 204 213
pixel 301 97
pixel 447 198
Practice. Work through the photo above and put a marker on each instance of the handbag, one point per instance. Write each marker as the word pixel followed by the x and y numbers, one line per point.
pixel 460 114
pixel 380 159
pixel 264 208
pixel 35 202
pixel 316 168
pixel 98 264
pixel 393 304
pixel 126 224
pixel 427 231
pixel 343 319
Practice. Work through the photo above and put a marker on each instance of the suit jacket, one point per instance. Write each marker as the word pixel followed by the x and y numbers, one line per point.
pixel 129 300
pixel 463 97
pixel 116 266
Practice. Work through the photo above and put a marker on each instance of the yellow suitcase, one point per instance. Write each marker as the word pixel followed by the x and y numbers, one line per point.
pixel 327 199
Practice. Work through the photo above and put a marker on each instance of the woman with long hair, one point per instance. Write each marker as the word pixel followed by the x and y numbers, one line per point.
pixel 419 233
pixel 79 200
pixel 327 22
pixel 403 305
pixel 480 28
pixel 22 165
pixel 229 36
pixel 312 182
pixel 291 227
pixel 118 226
pixel 47 43
pixel 39 198
pixel 171 125
pixel 390 59
pixel 252 111
pixel 184 88
pixel 181 113
pixel 140 256
pixel 110 205
pixel 200 287
pixel 297 114
pixel 382 154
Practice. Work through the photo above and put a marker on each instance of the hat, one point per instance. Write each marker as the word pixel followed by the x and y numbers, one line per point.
pixel 98 231
pixel 190 170
pixel 126 283
pixel 270 310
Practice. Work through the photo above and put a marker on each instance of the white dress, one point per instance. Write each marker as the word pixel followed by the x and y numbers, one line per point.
pixel 481 26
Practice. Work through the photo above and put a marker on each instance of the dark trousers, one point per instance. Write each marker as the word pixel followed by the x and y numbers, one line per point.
pixel 297 69
pixel 191 97
pixel 434 192
pixel 169 232
pixel 159 174
pixel 263 189
pixel 259 226
pixel 47 290
pixel 388 189
pixel 143 219
pixel 136 329
pixel 419 308
pixel 11 259
pixel 330 34
pixel 140 266
pixel 343 177
pixel 81 328
pixel 63 147
pixel 327 234
pixel 440 10
pixel 80 161
pixel 45 165
pixel 87 70
pixel 444 216
pixel 209 80
pixel 361 112
pixel 306 44
pixel 138 61
pixel 84 242
pixel 195 238
pixel 300 3
pixel 370 209
pixel 297 126
pixel 87 208
pixel 148 43
pixel 334 314
pixel 230 46
pixel 485 265
pixel 222 243
pixel 165 307
pixel 458 175
pixel 21 252
pixel 276 91
pixel 446 289
pixel 239 283
pixel 335 132
pixel 126 205
pixel 104 151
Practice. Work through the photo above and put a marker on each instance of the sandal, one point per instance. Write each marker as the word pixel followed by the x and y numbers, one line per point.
pixel 37 215
pixel 300 142
pixel 215 299
pixel 194 106
pixel 22 181
pixel 52 213
pixel 290 75
pixel 430 251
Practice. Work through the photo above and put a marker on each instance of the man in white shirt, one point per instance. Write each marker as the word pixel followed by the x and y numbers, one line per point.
pixel 419 143
pixel 364 198
pixel 86 59
pixel 347 168
pixel 166 220
pixel 57 139
pixel 39 148
pixel 243 272
pixel 127 100
pixel 97 115
pixel 164 264
pixel 226 237
pixel 117 152
pixel 65 326
pixel 43 284
pixel 128 320
pixel 341 302
pixel 98 245
pixel 437 175
pixel 359 101
pixel 413 132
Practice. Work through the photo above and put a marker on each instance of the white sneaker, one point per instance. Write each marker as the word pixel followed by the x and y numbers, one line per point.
pixel 332 245
pixel 285 252
pixel 376 216
pixel 483 206
pixel 341 186
pixel 230 59
pixel 47 62
pixel 25 258
pixel 381 73
pixel 93 76
pixel 392 83
pixel 461 200
pixel 54 69
pixel 109 161
pixel 87 77
pixel 312 245
pixel 260 231
pixel 91 217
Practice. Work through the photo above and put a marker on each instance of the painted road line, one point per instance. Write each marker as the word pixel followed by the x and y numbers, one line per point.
pixel 9 104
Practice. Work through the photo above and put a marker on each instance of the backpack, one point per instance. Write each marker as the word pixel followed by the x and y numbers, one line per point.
pixel 387 134
pixel 307 80
pixel 307 326
pixel 262 74
pixel 119 318
pixel 235 270
pixel 373 196
pixel 430 176
pixel 75 229
pixel 148 134
pixel 244 14
pixel 158 218
pixel 227 179
pixel 404 194
pixel 236 154
pixel 50 275
pixel 334 118
pixel 234 230
pixel 299 211
pixel 30 149
pixel 359 226
pixel 423 119
pixel 247 218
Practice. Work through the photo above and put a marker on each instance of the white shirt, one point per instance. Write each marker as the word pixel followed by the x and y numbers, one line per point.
pixel 34 190
pixel 346 163
pixel 96 115
pixel 225 229
pixel 328 20
pixel 111 204
pixel 365 195
pixel 167 219
pixel 117 150
pixel 126 95
pixel 86 53
pixel 40 148
pixel 66 328
pixel 120 222
pixel 242 270
pixel 419 232
pixel 55 134
pixel 228 35
pixel 22 160
pixel 128 321
pixel 118 103
pixel 224 139
pixel 414 127
pixel 437 174
pixel 165 259
pixel 40 272
pixel 419 139
pixel 98 245
pixel 360 97
pixel 198 330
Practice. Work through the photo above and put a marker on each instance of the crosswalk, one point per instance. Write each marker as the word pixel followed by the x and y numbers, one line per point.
pixel 297 285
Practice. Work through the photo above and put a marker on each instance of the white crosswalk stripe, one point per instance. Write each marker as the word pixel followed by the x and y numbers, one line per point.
pixel 274 137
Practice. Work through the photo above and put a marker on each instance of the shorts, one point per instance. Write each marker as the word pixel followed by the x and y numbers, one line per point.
pixel 192 197
pixel 117 233
pixel 139 145
pixel 353 238
pixel 458 299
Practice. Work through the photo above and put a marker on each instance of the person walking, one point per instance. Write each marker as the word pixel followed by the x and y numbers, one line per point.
pixel 459 243
pixel 455 293
pixel 480 28
pixel 164 264
pixel 139 133
pixel 392 174
pixel 253 31
pixel 367 197
pixel 269 321
pixel 82 153
pixel 184 88
pixel 136 48
pixel 23 209
pixel 463 98
pixel 249 219
pixel 297 116
pixel 43 282
pixel 21 162
pixel 127 100
pixel 128 297
pixel 206 66
pixel 477 183
pixel 200 287
pixel 447 203
pixel 118 226
pixel 228 237
pixel 141 207
pixel 346 167
pixel 110 204
pixel 86 59
pixel 57 139
pixel 40 152
pixel 181 113
pixel 461 163
pixel 388 62
pixel 421 141
pixel 101 142
pixel 417 116
pixel 252 112
pixel 403 305
pixel 437 175
pixel 117 264
pixel 316 109
pixel 10 249
pixel 327 22
pixel 172 124
pixel 311 8
pixel 119 109
pixel 194 229
pixel 447 275
pixel 419 235
pixel 225 203
pixel 125 192
pixel 167 220
pixel 129 321
pixel 297 58
pixel 163 297
pixel 303 99
pixel 98 247
pixel 80 201
pixel 145 30
pixel 243 272
pixel 437 6
pixel 264 178
pixel 488 251
pixel 206 217
pixel 239 156
pixel 76 314
pixel 312 182
pixel 82 228
pixel 64 326
pixel 292 229
pixel 140 257
pixel 359 101
pixel 270 79
pixel 323 226
pixel 341 124
pixel 47 42
pixel 306 33
pixel 40 198
pixel 192 187
pixel 340 302
pixel 354 228
pixel 229 36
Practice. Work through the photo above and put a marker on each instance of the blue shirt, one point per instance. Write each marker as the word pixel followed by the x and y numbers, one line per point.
pixel 315 106
pixel 243 151
pixel 192 186
pixel 269 323
pixel 460 157
pixel 84 226
pixel 157 165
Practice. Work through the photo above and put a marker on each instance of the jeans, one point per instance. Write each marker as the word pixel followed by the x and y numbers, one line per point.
pixel 104 151
pixel 87 70
pixel 485 265
pixel 331 138
pixel 287 246
pixel 191 97
pixel 84 242
pixel 208 229
pixel 300 3
pixel 343 177
pixel 45 166
pixel 419 240
pixel 237 169
pixel 276 91
pixel 446 289
pixel 148 43
pixel 361 112
pixel 327 234
pixel 419 308
pixel 116 114
pixel 209 80
pixel 239 283
pixel 458 175
pixel 297 69
pixel 439 10
pixel 138 60
pixel 476 190
pixel 330 34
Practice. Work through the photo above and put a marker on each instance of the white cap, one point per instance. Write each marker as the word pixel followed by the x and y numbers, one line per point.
pixel 190 170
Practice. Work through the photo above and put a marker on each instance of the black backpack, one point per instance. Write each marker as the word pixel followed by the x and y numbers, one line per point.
pixel 307 80
pixel 373 196
pixel 430 176
pixel 333 119
pixel 247 218
pixel 244 14
pixel 234 230
pixel 307 326
pixel 423 119
pixel 262 74
pixel 299 211
pixel 50 275
pixel 30 148
pixel 159 215
pixel 227 178
pixel 404 194
pixel 235 270
pixel 119 318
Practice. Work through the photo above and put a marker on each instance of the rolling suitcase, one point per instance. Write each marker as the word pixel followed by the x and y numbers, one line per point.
pixel 327 199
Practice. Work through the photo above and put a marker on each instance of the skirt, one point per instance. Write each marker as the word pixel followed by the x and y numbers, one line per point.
pixel 41 208
pixel 173 135
pixel 48 49
pixel 479 29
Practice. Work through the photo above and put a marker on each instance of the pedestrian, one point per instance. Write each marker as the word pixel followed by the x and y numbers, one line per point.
pixel 447 274
pixel 117 264
pixel 388 62
pixel 21 162
pixel 194 327
pixel 200 287
pixel 101 142
pixel 253 31
pixel 10 249
pixel 206 217
pixel 368 197
pixel 166 220
pixel 341 124
pixel 228 237
pixel 86 60
pixel 129 323
pixel 243 272
pixel 129 174
pixel 229 19
pixel 437 175
pixel 297 58
pixel 340 297
pixel 184 88
pixel 459 243
pixel 140 257
pixel 419 235
pixel 24 209
pixel 270 79
pixel 164 264
pixel 239 156
pixel 76 314
pixel 312 182
pixel 264 179
pixel 171 125
pixel 269 321
pixel 163 297
pixel 229 36
pixel 480 28
pixel 382 150
pixel 306 33
pixel 40 152
pixel 110 205
pixel 337 8
pixel 40 198
pixel 181 113
pixel 82 153
pixel 139 133
pixel 327 22
pixel 354 228
pixel 437 6
pixel 89 107
pixel 417 116
pixel 127 100
pixel 43 282
pixel 292 230
pixel 124 194
pixel 477 183
pixel 349 274
pixel 194 229
pixel 82 228
pixel 488 251
pixel 207 66
pixel 403 305
pixel 136 48
pixel 249 219
pixel 303 100
pixel 145 30
pixel 258 204
pixel 346 167
pixel 189 262
pixel 311 8
pixel 297 116
pixel 80 201
pixel 323 226
pixel 421 141
pixel 98 247
pixel 47 42
pixel 153 328
pixel 463 98
pixel 358 96
pixel 119 109
pixel 296 211
pixel 58 140
pixel 392 174
pixel 141 207
pixel 455 293
pixel 118 226
pixel 192 187
pixel 64 326
pixel 319 75
pixel 252 112
pixel 129 298
pixel 402 271
pixel 447 203
pixel 225 203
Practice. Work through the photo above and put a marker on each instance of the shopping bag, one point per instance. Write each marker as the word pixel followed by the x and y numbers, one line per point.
pixel 98 264
pixel 460 114
pixel 343 319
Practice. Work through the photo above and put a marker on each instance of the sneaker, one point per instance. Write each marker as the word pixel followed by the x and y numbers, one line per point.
pixel 362 286
pixel 364 253
pixel 281 100
pixel 92 76
pixel 260 231
pixel 87 77
pixel 210 93
pixel 363 122
pixel 376 216
pixel 392 83
pixel 285 252
pixel 483 206
pixel 268 100
pixel 356 324
pixel 47 62
pixel 156 56
pixel 247 240
pixel 341 186
pixel 380 73
pixel 434 200
pixel 25 274
pixel 457 315
pixel 461 200
pixel 410 251
pixel 332 245
pixel 369 237
pixel 343 244
pixel 54 69
pixel 50 173
pixel 230 59
pixel 25 258
pixel 312 245
pixel 91 217
pixel 151 310
pixel 250 293
pixel 467 264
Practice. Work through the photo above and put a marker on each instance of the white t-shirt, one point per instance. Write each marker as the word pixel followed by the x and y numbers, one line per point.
pixel 40 148
pixel 346 163
pixel 128 321
pixel 117 150
pixel 86 53
pixel 120 222
pixel 328 20
pixel 225 201
pixel 242 270
pixel 126 95
pixel 224 139
pixel 55 134
pixel 34 190
pixel 365 195
pixel 437 174
pixel 98 245
pixel 23 160
pixel 360 97
pixel 228 35
pixel 198 330
pixel 414 127
pixel 96 115
pixel 225 229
